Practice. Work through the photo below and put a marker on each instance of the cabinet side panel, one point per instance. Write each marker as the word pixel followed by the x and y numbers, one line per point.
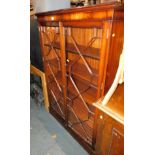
pixel 110 136
pixel 116 46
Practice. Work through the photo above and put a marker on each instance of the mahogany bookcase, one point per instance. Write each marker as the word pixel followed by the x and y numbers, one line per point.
pixel 80 52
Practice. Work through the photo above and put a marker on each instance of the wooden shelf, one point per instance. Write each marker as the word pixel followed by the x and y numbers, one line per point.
pixel 58 77
pixel 54 45
pixel 80 71
pixel 88 126
pixel 78 130
pixel 86 123
pixel 53 86
pixel 88 93
pixel 86 135
pixel 91 52
pixel 53 62
pixel 81 112
pixel 56 108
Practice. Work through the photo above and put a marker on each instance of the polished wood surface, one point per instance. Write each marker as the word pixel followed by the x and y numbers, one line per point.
pixel 80 51
pixel 115 106
pixel 110 136
pixel 63 68
pixel 82 13
pixel 110 125
pixel 116 102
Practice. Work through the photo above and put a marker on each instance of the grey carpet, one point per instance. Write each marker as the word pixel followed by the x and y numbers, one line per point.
pixel 48 137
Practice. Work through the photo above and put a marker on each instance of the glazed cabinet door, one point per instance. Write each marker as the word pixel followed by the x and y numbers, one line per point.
pixel 82 46
pixel 51 54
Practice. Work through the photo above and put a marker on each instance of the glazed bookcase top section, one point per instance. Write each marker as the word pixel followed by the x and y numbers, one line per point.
pixel 106 11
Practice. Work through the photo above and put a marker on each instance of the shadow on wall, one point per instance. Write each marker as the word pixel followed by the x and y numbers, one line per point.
pixel 35 51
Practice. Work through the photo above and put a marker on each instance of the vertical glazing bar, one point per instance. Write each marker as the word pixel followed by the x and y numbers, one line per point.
pixel 63 67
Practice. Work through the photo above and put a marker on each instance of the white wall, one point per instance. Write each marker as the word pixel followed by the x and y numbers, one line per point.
pixel 49 5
